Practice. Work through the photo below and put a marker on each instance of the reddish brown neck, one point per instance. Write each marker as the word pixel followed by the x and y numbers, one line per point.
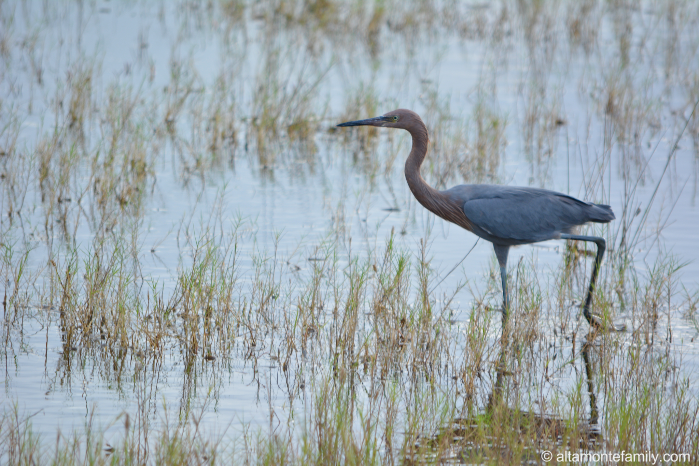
pixel 430 198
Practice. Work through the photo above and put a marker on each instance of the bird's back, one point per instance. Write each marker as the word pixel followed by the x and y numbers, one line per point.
pixel 516 215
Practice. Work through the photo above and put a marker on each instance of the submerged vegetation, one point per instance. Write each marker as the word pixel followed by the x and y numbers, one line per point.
pixel 197 268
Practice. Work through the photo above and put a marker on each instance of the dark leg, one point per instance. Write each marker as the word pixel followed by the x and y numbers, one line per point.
pixel 497 392
pixel 501 252
pixel 505 298
pixel 594 413
pixel 601 246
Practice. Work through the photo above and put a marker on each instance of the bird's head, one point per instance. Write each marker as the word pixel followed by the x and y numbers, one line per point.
pixel 400 118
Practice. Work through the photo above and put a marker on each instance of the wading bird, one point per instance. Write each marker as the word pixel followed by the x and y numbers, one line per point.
pixel 503 215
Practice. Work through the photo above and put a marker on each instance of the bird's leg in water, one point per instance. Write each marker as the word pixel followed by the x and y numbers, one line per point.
pixel 505 301
pixel 601 246
pixel 501 252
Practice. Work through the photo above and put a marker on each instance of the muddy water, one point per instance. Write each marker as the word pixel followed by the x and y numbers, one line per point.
pixel 549 105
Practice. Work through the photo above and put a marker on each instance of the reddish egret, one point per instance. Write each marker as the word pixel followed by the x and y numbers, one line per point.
pixel 503 215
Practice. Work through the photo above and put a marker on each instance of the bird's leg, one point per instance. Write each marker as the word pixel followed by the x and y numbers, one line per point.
pixel 505 301
pixel 501 252
pixel 601 246
pixel 594 413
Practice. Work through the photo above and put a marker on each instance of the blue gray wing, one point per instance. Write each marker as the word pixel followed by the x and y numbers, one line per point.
pixel 522 214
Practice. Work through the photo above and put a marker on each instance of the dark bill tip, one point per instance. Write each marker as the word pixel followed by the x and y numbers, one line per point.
pixel 369 121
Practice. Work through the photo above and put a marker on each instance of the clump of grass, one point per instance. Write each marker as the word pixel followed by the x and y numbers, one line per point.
pixel 468 149
pixel 583 22
pixel 283 100
pixel 361 103
pixel 173 443
pixel 80 92
pixel 15 167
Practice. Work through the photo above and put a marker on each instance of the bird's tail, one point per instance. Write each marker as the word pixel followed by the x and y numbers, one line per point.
pixel 601 213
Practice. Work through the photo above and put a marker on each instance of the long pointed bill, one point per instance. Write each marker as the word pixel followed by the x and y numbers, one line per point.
pixel 376 121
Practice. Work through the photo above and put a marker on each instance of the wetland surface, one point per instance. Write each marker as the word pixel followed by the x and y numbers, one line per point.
pixel 199 267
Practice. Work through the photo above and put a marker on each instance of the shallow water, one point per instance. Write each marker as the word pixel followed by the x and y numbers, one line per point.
pixel 548 93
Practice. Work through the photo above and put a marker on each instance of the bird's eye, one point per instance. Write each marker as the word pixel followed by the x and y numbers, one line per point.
pixel 395 118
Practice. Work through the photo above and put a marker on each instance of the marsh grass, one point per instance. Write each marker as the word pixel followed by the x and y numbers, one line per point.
pixel 374 361
pixel 386 336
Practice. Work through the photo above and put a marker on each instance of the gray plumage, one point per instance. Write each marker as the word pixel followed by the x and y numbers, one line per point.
pixel 518 215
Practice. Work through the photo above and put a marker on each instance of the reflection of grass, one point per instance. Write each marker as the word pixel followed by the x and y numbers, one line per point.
pixel 375 367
